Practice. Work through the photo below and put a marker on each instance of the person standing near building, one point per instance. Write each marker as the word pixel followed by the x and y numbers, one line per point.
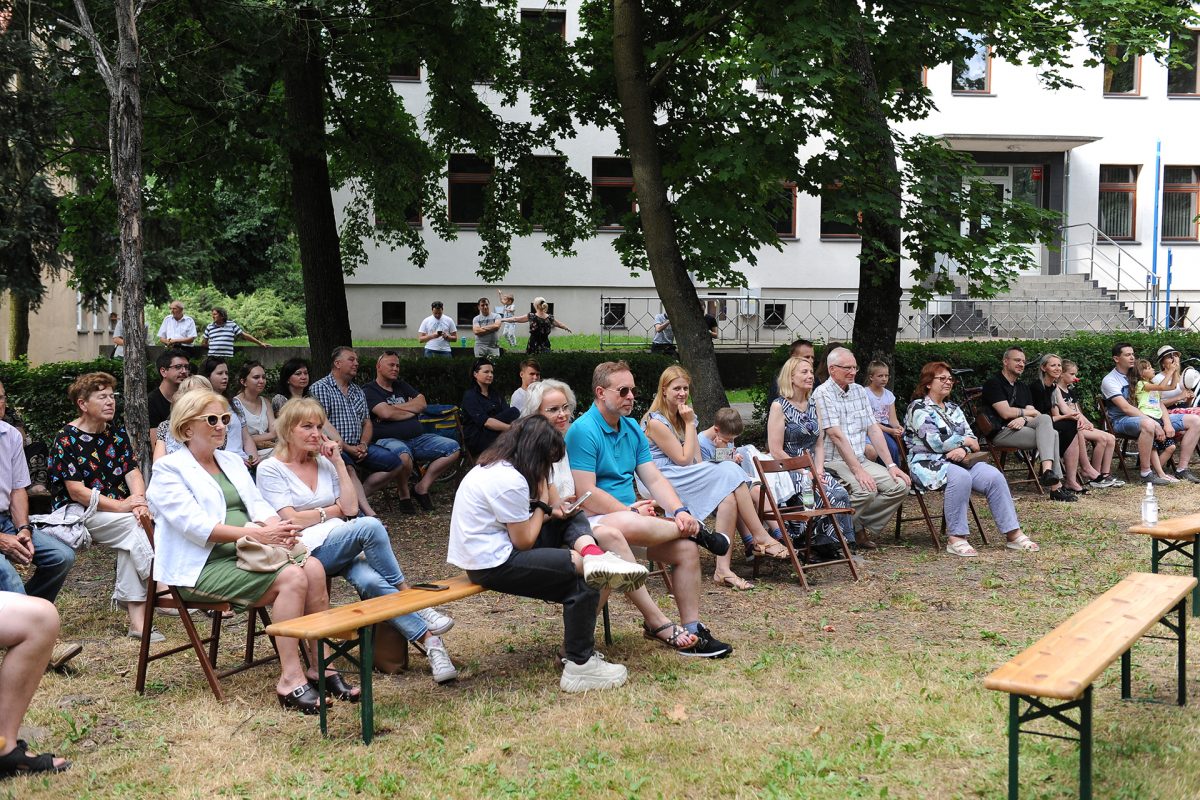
pixel 664 336
pixel 222 332
pixel 437 331
pixel 177 330
pixel 118 335
pixel 486 327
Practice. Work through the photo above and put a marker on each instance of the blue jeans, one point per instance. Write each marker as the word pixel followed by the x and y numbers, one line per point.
pixel 436 353
pixel 52 560
pixel 424 448
pixel 379 459
pixel 375 574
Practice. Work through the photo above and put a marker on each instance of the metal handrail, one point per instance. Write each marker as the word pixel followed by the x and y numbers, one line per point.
pixel 1126 264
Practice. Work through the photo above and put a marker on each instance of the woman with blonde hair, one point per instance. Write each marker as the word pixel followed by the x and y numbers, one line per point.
pixel 541 324
pixel 164 442
pixel 204 501
pixel 703 486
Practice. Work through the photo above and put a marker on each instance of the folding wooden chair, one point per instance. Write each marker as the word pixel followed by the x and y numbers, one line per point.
pixel 656 571
pixel 925 516
pixel 170 598
pixel 1000 453
pixel 769 509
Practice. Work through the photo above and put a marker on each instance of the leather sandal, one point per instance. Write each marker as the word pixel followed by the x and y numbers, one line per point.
pixel 961 548
pixel 772 550
pixel 303 698
pixel 18 762
pixel 336 686
pixel 734 582
pixel 679 635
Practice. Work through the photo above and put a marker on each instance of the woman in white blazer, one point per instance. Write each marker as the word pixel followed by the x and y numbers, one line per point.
pixel 204 500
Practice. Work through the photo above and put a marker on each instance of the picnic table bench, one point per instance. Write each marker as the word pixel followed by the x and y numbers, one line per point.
pixel 347 627
pixel 1064 663
pixel 1176 535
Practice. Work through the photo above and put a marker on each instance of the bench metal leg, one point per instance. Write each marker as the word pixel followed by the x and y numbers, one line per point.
pixel 321 663
pixel 366 666
pixel 1163 547
pixel 1127 674
pixel 1037 710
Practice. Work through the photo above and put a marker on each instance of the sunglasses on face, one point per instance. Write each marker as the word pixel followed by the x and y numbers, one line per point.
pixel 213 419
pixel 554 411
pixel 624 391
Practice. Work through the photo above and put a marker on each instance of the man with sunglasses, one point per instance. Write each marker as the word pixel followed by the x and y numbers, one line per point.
pixel 173 367
pixel 845 415
pixel 606 449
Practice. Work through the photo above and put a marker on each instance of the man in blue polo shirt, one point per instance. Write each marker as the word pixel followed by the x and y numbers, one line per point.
pixel 606 450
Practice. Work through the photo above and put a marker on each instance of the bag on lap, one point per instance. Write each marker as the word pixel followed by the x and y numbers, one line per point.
pixel 254 556
pixel 67 524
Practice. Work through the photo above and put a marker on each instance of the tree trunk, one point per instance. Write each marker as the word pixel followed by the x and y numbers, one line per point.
pixel 316 227
pixel 127 177
pixel 18 326
pixel 877 314
pixel 671 280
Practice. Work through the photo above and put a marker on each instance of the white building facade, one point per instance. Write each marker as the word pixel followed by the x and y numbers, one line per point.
pixel 1119 156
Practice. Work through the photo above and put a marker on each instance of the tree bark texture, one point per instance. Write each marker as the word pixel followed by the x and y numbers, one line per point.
pixel 18 326
pixel 877 312
pixel 126 103
pixel 316 226
pixel 671 279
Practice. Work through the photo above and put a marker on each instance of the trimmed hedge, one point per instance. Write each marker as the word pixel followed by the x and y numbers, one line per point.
pixel 1091 351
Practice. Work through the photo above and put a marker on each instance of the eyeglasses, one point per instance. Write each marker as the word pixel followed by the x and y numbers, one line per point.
pixel 178 366
pixel 624 391
pixel 945 378
pixel 213 419
pixel 554 411
pixel 848 369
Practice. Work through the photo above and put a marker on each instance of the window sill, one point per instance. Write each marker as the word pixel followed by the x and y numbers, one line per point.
pixel 616 327
pixel 971 94
pixel 853 239
pixel 394 325
pixel 1189 96
pixel 1121 242
pixel 404 78
pixel 1180 243
pixel 1126 96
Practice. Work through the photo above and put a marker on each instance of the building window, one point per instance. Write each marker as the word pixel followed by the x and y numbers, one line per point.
pixel 836 223
pixel 539 171
pixel 394 313
pixel 782 210
pixel 469 176
pixel 1118 201
pixel 1122 72
pixel 973 73
pixel 406 69
pixel 552 21
pixel 466 313
pixel 774 315
pixel 1181 190
pixel 1182 79
pixel 612 189
pixel 614 316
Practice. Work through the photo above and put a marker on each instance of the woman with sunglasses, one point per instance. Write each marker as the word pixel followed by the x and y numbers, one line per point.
pixel 204 501
pixel 938 440
pixel 485 414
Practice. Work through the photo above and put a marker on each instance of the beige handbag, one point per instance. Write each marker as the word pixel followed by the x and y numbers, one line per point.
pixel 254 556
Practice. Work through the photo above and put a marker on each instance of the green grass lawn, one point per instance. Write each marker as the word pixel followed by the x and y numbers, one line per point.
pixel 851 690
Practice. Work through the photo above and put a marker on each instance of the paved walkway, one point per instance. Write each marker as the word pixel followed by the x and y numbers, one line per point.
pixel 745 409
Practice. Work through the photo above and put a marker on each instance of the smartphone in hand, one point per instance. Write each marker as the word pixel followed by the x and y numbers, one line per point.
pixel 577 505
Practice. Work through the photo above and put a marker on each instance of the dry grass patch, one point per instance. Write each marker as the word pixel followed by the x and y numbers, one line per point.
pixel 851 690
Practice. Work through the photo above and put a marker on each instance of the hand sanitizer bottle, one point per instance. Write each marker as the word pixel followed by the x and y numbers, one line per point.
pixel 1149 506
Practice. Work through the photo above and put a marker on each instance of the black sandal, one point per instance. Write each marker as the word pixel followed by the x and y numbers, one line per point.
pixel 673 641
pixel 303 698
pixel 336 686
pixel 19 762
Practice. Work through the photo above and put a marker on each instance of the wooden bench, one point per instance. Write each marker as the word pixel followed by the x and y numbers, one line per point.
pixel 1063 665
pixel 345 628
pixel 1174 536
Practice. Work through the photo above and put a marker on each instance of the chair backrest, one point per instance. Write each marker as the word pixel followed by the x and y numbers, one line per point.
pixel 1105 422
pixel 148 527
pixel 766 467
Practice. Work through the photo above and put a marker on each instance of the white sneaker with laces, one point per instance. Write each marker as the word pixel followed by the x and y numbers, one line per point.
pixel 595 674
pixel 609 569
pixel 439 661
pixel 437 622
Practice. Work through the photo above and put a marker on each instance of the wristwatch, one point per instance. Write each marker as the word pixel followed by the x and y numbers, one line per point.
pixel 680 510
pixel 25 527
pixel 545 507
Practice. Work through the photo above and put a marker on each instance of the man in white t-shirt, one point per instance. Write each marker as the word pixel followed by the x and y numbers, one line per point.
pixel 1127 420
pixel 437 331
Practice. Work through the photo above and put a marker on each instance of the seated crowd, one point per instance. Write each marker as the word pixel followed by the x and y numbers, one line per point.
pixel 552 509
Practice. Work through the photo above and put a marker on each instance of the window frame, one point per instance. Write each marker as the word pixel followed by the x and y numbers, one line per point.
pixel 1192 189
pixel 790 233
pixel 1195 73
pixel 837 186
pixel 986 91
pixel 614 183
pixel 1123 188
pixel 774 315
pixel 607 309
pixel 383 314
pixel 396 76
pixel 545 12
pixel 464 179
pixel 1137 78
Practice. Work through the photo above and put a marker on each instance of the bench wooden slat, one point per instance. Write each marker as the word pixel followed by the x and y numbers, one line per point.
pixel 329 624
pixel 1069 658
pixel 1184 528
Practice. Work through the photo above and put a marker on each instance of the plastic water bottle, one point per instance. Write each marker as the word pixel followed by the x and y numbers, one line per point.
pixel 1149 506
pixel 806 491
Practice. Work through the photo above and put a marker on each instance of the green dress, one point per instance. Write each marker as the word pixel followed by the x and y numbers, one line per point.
pixel 221 580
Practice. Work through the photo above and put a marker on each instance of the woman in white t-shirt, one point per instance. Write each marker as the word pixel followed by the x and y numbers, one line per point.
pixel 507 531
pixel 307 483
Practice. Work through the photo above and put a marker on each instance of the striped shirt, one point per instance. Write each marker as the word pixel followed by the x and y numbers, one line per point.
pixel 849 410
pixel 347 411
pixel 220 338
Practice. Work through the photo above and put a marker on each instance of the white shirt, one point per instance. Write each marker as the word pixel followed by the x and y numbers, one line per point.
pixel 1115 383
pixel 518 399
pixel 187 504
pixel 183 328
pixel 431 324
pixel 282 488
pixel 488 498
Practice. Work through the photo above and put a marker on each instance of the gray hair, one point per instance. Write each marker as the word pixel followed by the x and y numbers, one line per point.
pixel 537 392
pixel 834 359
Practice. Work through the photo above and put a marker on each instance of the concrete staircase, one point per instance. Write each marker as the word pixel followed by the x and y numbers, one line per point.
pixel 1040 306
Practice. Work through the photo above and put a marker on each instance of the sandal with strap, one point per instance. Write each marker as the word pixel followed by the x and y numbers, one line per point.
pixel 961 548
pixel 19 762
pixel 772 550
pixel 1024 543
pixel 679 639
pixel 734 582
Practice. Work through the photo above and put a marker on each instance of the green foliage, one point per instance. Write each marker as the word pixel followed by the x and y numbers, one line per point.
pixel 39 394
pixel 1091 351
pixel 263 313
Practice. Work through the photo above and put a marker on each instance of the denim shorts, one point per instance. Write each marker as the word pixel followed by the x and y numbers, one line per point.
pixel 424 448
pixel 379 459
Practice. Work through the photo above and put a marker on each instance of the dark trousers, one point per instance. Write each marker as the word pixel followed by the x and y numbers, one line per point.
pixel 546 573
pixel 1067 430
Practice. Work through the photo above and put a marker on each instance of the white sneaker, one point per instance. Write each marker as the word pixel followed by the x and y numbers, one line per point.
pixel 437 622
pixel 439 661
pixel 595 674
pixel 609 569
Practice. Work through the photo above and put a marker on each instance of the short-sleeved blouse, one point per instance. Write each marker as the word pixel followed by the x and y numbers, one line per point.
pixel 97 460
